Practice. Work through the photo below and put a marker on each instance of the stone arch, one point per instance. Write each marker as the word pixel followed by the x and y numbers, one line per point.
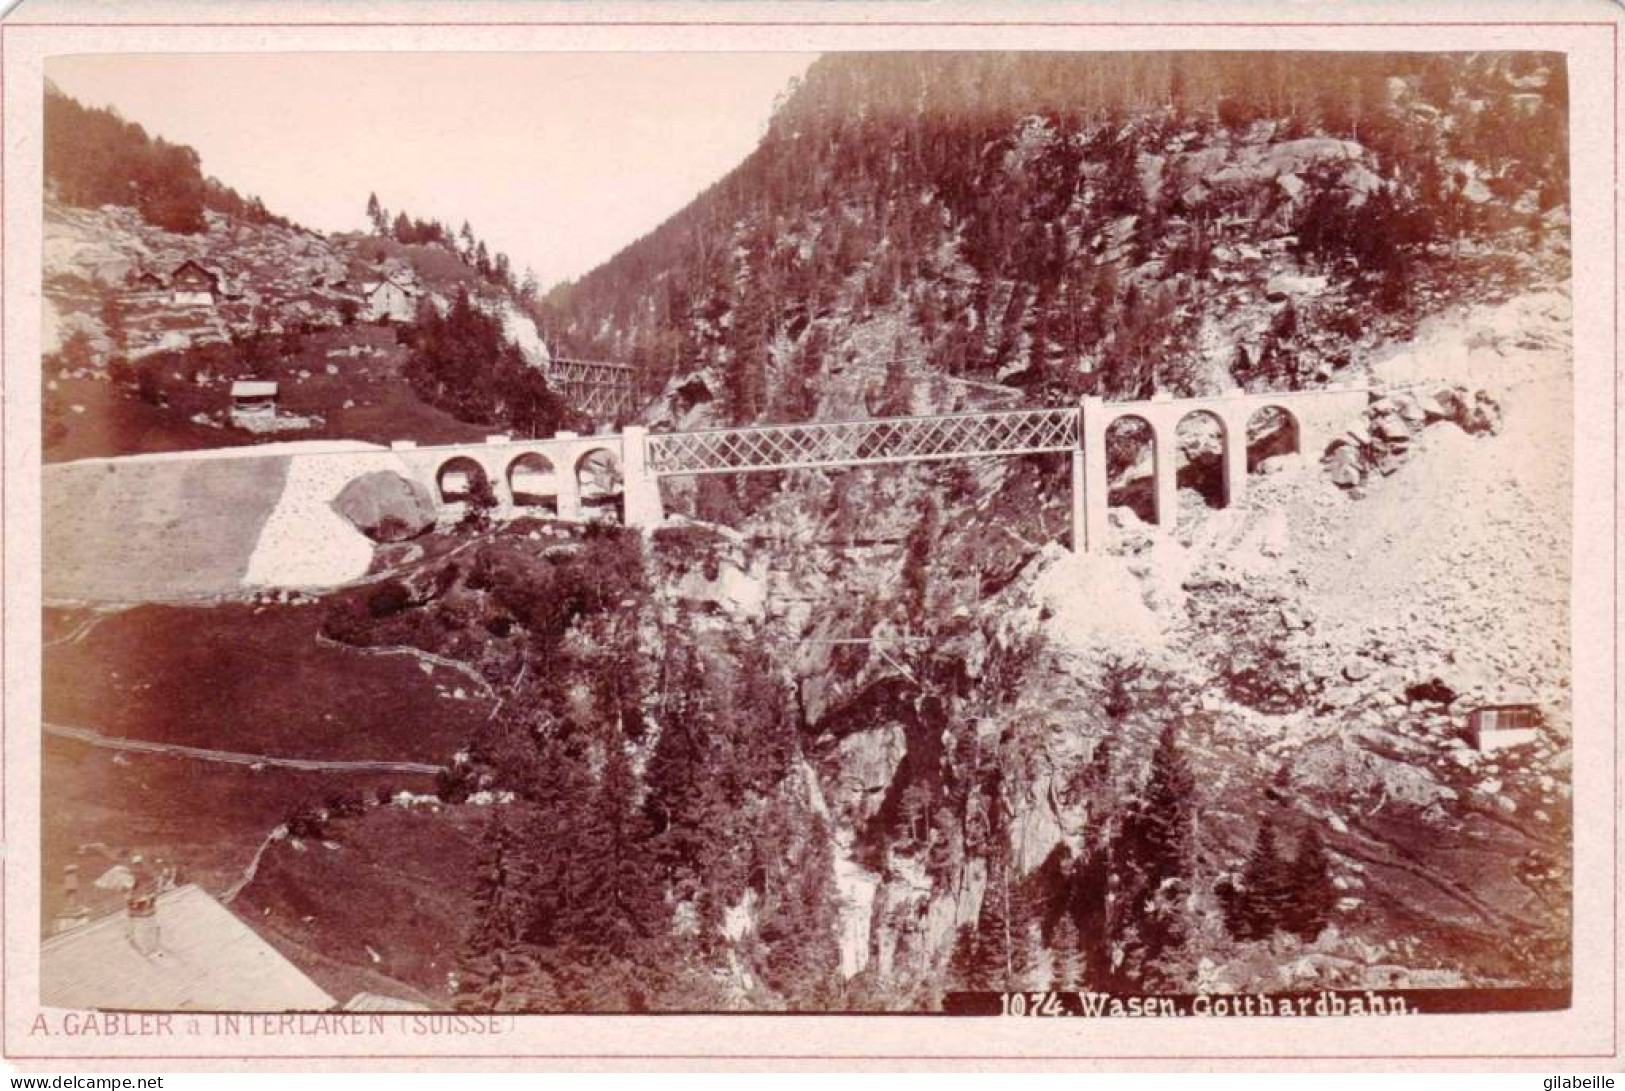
pixel 1272 430
pixel 525 488
pixel 457 477
pixel 1201 449
pixel 600 483
pixel 1131 440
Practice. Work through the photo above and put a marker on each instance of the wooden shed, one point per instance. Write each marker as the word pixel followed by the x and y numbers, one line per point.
pixel 1496 727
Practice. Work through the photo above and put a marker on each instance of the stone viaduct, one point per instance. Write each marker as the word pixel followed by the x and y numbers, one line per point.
pixel 549 472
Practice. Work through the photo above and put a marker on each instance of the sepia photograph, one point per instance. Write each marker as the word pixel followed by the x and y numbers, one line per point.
pixel 951 532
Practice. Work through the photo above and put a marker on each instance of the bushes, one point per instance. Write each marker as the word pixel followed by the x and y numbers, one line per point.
pixel 388 599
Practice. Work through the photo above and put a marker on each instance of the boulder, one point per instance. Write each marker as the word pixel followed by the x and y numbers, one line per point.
pixel 1475 414
pixel 1411 409
pixel 1345 467
pixel 1392 428
pixel 1484 415
pixel 386 507
pixel 1431 409
pixel 1345 476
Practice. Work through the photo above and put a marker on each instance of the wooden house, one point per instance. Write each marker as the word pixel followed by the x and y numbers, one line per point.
pixel 390 298
pixel 192 285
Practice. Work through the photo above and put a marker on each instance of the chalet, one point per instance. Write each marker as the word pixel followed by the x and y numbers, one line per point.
pixel 147 281
pixel 253 404
pixel 1496 727
pixel 171 950
pixel 191 284
pixel 391 298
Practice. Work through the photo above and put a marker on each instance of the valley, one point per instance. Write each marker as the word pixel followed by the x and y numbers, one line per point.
pixel 837 737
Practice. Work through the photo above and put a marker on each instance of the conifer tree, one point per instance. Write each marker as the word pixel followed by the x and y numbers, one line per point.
pixel 1153 855
pixel 1066 958
pixel 1311 893
pixel 993 959
pixel 964 969
pixel 1026 934
pixel 1266 886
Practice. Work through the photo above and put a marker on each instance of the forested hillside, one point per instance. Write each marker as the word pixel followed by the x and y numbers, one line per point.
pixel 1071 223
pixel 94 157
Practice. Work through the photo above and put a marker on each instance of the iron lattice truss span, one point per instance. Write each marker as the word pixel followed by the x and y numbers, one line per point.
pixel 598 388
pixel 846 443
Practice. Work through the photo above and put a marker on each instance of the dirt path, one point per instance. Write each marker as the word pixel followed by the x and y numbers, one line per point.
pixel 94 738
pixel 253 868
pixel 420 655
pixel 80 631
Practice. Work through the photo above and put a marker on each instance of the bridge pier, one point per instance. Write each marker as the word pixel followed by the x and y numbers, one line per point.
pixel 569 485
pixel 1165 475
pixel 1089 477
pixel 1234 436
pixel 640 495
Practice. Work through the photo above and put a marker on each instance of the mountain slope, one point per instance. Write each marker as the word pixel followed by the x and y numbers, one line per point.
pixel 136 363
pixel 1067 223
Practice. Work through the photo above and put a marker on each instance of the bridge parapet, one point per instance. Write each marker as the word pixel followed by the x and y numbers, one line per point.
pixel 863 442
pixel 1315 416
pixel 555 461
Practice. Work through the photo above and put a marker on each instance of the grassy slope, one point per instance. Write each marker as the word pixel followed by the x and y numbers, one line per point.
pixel 399 882
pixel 381 404
pixel 206 819
pixel 253 679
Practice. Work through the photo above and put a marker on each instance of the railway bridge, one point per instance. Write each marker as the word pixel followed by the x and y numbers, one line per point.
pixel 570 474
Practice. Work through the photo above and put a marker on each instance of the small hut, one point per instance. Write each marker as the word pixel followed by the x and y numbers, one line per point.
pixel 1496 727
pixel 253 404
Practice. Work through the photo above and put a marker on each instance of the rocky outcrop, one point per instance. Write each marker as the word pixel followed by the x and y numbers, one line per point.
pixel 1384 441
pixel 386 507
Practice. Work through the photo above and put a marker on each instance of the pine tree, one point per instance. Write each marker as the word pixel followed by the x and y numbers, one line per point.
pixel 896 394
pixel 964 968
pixel 375 214
pixel 1153 854
pixel 504 910
pixel 1066 958
pixel 1311 894
pixel 1026 935
pixel 992 964
pixel 1266 887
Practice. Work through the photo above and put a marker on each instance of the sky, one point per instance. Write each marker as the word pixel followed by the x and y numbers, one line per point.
pixel 557 159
